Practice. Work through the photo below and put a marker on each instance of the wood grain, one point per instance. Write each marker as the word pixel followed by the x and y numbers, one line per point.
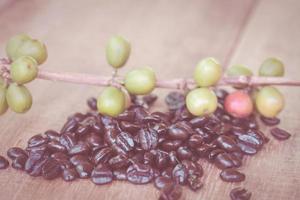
pixel 170 36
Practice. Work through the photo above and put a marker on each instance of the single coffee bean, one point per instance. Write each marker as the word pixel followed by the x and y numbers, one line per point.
pixel 120 175
pixel 92 103
pixel 69 174
pixel 226 143
pixel 161 182
pixel 68 140
pixel 162 159
pixel 55 146
pixel 69 126
pixel 232 175
pixel 246 148
pixel 103 155
pixel 19 162
pixel 139 174
pixel 171 145
pixel 184 152
pixel 84 169
pixel 213 154
pixel 81 148
pixel 280 134
pixel 148 138
pixel 240 194
pixel 37 140
pixel 52 135
pixel 180 174
pixel 51 169
pixel 171 191
pixel 223 161
pixel 15 152
pixel 270 121
pixel 101 175
pixel 3 163
pixel 129 127
pixel 177 132
pixel 199 122
pixel 36 169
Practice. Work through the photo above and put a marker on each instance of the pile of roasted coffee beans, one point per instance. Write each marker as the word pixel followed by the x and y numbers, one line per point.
pixel 165 148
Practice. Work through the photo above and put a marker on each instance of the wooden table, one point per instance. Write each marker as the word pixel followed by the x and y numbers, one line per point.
pixel 171 36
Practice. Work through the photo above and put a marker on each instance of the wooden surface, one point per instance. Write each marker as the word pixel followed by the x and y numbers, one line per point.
pixel 171 36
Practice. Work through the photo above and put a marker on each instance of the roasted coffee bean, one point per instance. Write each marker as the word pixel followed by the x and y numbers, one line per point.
pixel 83 130
pixel 223 161
pixel 118 161
pixel 246 148
pixel 51 169
pixel 173 160
pixel 94 140
pixel 103 155
pixel 226 143
pixel 180 174
pixel 270 121
pixel 81 148
pixel 171 145
pixel 161 182
pixel 129 127
pixel 92 103
pixel 280 134
pixel 101 175
pixel 68 140
pixel 56 146
pixel 171 192
pixel 69 174
pixel 161 129
pixel 240 194
pixel 69 126
pixel 52 135
pixel 120 175
pixel 84 169
pixel 232 175
pixel 150 119
pixel 78 159
pixel 162 159
pixel 184 152
pixel 194 182
pixel 195 141
pixel 19 162
pixel 177 132
pixel 34 167
pixel 199 122
pixel 212 155
pixel 148 138
pixel 37 140
pixel 139 174
pixel 165 117
pixel 3 163
pixel 128 116
pixel 175 100
pixel 16 152
pixel 182 115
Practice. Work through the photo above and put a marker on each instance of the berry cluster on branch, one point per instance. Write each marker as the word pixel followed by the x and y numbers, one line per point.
pixel 25 54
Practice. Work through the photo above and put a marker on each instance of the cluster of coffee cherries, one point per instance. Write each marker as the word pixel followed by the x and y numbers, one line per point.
pixel 25 54
pixel 268 101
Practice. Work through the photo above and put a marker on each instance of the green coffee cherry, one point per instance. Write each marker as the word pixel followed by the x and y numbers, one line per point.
pixel 271 67
pixel 208 72
pixel 117 51
pixel 238 70
pixel 14 43
pixel 140 81
pixel 3 102
pixel 111 102
pixel 33 48
pixel 201 101
pixel 269 101
pixel 18 98
pixel 24 70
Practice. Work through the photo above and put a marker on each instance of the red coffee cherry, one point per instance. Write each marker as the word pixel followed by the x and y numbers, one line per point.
pixel 238 104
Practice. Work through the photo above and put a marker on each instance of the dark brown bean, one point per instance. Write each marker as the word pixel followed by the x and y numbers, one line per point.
pixel 69 174
pixel 232 175
pixel 118 161
pixel 149 158
pixel 101 175
pixel 280 134
pixel 180 174
pixel 161 182
pixel 139 174
pixel 94 140
pixel 36 166
pixel 246 148
pixel 69 126
pixel 52 135
pixel 212 155
pixel 148 138
pixel 167 172
pixel 56 146
pixel 171 145
pixel 223 161
pixel 171 192
pixel 16 152
pixel 162 159
pixel 92 103
pixel 37 140
pixel 84 169
pixel 195 141
pixel 199 122
pixel 103 155
pixel 51 169
pixel 226 143
pixel 129 127
pixel 184 152
pixel 240 194
pixel 177 132
pixel 3 163
pixel 19 162
pixel 68 140
pixel 81 148
pixel 270 121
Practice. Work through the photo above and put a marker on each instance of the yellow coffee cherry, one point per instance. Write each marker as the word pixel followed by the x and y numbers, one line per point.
pixel 201 101
pixel 208 72
pixel 238 70
pixel 117 51
pixel 269 101
pixel 14 43
pixel 24 69
pixel 271 67
pixel 111 102
pixel 140 81
pixel 18 98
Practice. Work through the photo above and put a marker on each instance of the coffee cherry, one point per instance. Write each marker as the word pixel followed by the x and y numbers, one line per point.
pixel 18 98
pixel 207 72
pixel 140 81
pixel 269 101
pixel 24 70
pixel 33 48
pixel 201 101
pixel 3 102
pixel 111 102
pixel 239 70
pixel 117 51
pixel 127 98
pixel 14 43
pixel 238 104
pixel 271 67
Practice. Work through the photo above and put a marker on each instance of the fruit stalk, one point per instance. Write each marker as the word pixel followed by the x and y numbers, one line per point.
pixel 89 79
